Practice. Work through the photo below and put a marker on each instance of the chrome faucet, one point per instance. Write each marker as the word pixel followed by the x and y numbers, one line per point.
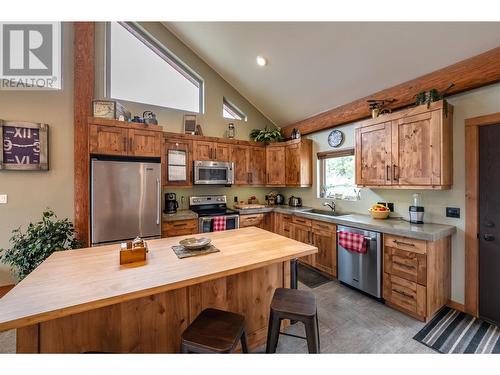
pixel 331 205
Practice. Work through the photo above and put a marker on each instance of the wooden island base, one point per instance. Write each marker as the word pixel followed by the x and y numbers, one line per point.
pixel 154 324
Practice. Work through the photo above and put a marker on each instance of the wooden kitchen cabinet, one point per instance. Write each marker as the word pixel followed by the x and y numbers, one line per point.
pixel 240 156
pixel 324 237
pixel 252 220
pixel 178 144
pixel 410 149
pixel 298 163
pixel 275 165
pixel 179 228
pixel 215 151
pixel 144 143
pixel 282 224
pixel 257 165
pixel 110 138
pixel 303 233
pixel 417 273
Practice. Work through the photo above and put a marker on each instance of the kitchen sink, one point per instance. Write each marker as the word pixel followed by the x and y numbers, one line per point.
pixel 324 212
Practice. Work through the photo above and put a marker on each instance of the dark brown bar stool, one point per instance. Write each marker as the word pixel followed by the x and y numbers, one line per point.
pixel 215 331
pixel 298 305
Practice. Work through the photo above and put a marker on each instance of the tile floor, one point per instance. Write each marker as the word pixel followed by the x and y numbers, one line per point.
pixel 349 322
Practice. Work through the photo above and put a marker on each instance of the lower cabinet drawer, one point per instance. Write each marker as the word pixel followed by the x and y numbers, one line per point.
pixel 405 294
pixel 256 220
pixel 179 228
pixel 285 229
pixel 406 264
pixel 301 221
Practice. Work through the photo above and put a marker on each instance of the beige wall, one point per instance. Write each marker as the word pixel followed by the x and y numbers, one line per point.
pixel 29 193
pixel 211 121
pixel 473 103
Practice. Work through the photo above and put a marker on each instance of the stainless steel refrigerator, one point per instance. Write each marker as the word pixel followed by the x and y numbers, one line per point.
pixel 125 200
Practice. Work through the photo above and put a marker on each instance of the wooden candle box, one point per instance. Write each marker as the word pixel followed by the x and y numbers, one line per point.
pixel 131 253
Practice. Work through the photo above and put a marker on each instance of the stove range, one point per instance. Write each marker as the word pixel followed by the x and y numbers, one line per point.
pixel 209 206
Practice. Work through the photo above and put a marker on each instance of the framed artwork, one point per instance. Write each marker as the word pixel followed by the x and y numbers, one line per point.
pixel 189 124
pixel 24 146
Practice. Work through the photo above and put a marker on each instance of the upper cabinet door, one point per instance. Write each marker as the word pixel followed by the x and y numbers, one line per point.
pixel 144 143
pixel 203 150
pixel 373 155
pixel 257 166
pixel 222 152
pixel 108 140
pixel 240 156
pixel 292 167
pixel 416 150
pixel 275 165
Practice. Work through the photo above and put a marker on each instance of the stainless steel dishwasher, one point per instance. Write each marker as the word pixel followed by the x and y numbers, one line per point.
pixel 362 271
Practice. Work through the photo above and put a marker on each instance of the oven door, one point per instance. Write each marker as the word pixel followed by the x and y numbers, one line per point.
pixel 206 223
pixel 213 173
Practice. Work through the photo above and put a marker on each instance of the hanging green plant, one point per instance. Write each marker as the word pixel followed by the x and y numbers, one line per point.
pixel 266 135
pixel 41 239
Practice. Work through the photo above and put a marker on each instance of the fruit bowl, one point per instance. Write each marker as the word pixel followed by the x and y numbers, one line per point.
pixel 379 214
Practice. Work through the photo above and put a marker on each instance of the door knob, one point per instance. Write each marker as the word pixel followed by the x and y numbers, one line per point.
pixel 489 237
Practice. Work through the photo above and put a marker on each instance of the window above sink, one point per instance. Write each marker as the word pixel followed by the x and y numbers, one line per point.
pixel 336 170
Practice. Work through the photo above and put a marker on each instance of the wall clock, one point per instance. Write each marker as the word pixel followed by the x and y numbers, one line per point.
pixel 335 138
pixel 23 145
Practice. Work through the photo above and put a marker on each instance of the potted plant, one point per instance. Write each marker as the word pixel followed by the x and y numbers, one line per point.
pixel 266 135
pixel 41 239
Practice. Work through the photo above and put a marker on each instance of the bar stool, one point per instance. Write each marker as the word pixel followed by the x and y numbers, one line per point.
pixel 215 331
pixel 298 305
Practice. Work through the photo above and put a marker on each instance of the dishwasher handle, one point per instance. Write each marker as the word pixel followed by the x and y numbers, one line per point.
pixel 366 237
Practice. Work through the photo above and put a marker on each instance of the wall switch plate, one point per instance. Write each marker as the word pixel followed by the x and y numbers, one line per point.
pixel 453 212
pixel 389 205
pixel 3 198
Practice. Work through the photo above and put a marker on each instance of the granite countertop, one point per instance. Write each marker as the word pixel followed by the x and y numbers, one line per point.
pixel 180 215
pixel 396 226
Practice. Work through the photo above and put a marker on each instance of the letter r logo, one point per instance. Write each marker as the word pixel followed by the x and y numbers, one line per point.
pixel 27 49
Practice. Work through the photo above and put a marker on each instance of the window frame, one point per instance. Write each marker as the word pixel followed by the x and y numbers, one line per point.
pixel 164 53
pixel 322 157
pixel 234 110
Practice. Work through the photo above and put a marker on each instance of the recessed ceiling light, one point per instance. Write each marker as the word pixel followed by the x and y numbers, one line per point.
pixel 261 61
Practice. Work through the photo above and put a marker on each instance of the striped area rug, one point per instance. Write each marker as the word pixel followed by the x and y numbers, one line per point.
pixel 451 331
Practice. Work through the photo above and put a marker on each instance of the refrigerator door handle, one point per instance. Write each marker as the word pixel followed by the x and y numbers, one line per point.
pixel 158 201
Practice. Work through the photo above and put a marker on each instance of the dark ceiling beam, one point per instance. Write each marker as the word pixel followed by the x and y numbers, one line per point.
pixel 477 71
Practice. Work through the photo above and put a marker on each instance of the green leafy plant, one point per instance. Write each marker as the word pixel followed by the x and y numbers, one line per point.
pixel 266 135
pixel 41 239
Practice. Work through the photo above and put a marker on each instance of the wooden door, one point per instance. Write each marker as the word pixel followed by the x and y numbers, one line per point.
pixel 108 140
pixel 416 150
pixel 222 152
pixel 275 165
pixel 178 145
pixel 257 166
pixel 240 156
pixel 268 223
pixel 373 155
pixel 203 150
pixel 292 164
pixel 303 234
pixel 144 143
pixel 326 258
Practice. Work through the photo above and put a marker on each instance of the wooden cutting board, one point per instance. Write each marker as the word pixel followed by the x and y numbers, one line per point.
pixel 246 206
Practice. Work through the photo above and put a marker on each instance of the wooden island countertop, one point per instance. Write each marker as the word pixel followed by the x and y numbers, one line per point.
pixel 76 281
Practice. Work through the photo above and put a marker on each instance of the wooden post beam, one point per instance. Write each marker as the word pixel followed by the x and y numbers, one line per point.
pixel 83 95
pixel 477 71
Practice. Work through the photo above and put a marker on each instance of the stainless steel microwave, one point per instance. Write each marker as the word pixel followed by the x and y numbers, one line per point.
pixel 213 172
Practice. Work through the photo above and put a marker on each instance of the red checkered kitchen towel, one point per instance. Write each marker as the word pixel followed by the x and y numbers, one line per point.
pixel 219 223
pixel 352 241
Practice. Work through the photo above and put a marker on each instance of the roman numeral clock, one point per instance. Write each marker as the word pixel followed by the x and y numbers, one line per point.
pixel 23 145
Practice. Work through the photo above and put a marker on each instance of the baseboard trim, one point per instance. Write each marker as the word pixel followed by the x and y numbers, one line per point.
pixel 456 305
pixel 5 289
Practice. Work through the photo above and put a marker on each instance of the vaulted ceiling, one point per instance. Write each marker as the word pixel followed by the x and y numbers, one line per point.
pixel 313 67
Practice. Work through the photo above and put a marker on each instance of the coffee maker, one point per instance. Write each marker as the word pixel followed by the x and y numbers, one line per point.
pixel 171 204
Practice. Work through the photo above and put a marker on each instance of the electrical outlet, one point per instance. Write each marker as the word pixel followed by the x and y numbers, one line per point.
pixel 453 212
pixel 235 199
pixel 3 198
pixel 389 205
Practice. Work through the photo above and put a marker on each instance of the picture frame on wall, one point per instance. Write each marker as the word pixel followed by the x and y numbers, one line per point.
pixel 189 124
pixel 24 146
